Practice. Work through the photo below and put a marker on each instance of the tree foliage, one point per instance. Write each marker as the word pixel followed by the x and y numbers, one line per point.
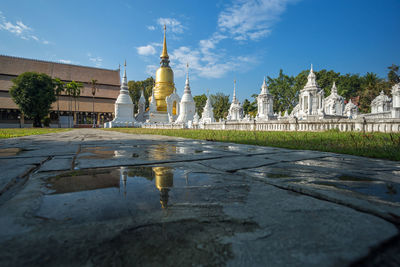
pixel 135 90
pixel 74 90
pixel 393 75
pixel 250 107
pixel 33 93
pixel 200 101
pixel 220 103
pixel 284 90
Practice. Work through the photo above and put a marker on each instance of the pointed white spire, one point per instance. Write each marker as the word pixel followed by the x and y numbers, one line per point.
pixel 234 91
pixel 187 85
pixel 312 78
pixel 142 99
pixel 264 87
pixel 124 84
pixel 334 89
pixel 208 114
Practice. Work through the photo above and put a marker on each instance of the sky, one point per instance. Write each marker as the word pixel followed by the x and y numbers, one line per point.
pixel 220 40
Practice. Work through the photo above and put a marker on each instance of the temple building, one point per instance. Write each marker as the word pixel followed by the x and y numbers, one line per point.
pixel 311 99
pixel 106 92
pixel 265 103
pixel 187 106
pixel 382 103
pixel 334 103
pixel 396 101
pixel 124 107
pixel 235 110
pixel 350 110
pixel 163 88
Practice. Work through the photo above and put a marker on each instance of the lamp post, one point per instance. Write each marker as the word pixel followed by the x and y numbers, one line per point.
pixel 94 88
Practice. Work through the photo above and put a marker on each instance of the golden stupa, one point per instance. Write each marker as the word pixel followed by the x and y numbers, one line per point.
pixel 164 79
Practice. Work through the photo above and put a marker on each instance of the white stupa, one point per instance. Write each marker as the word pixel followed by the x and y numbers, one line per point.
pixel 123 106
pixel 235 110
pixel 265 103
pixel 141 108
pixel 334 103
pixel 187 105
pixel 208 113
pixel 311 104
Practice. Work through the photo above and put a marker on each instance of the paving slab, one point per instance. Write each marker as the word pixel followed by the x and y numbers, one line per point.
pixel 109 198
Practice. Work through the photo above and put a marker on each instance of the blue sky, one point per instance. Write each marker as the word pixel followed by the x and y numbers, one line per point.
pixel 221 40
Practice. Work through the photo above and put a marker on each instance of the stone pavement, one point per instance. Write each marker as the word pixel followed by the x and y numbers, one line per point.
pixel 100 198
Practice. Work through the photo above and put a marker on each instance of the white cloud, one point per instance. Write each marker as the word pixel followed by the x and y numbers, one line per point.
pixel 65 61
pixel 251 19
pixel 203 66
pixel 241 21
pixel 19 29
pixel 97 61
pixel 151 69
pixel 146 50
pixel 151 28
pixel 172 24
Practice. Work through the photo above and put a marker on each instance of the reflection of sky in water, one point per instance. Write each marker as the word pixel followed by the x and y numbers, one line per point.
pixel 123 191
pixel 151 152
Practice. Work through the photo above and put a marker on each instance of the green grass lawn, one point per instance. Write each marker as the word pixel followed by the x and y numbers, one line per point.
pixel 17 132
pixel 374 145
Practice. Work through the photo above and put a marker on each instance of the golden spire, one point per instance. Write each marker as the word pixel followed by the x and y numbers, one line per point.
pixel 164 50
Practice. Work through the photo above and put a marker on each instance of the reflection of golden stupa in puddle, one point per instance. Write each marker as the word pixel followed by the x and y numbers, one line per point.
pixel 164 181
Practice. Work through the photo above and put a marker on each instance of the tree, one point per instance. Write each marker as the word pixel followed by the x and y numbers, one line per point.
pixel 73 90
pixel 220 104
pixel 135 89
pixel 93 83
pixel 285 90
pixel 59 88
pixel 371 86
pixel 33 93
pixel 393 75
pixel 200 101
pixel 349 85
pixel 250 107
pixel 326 78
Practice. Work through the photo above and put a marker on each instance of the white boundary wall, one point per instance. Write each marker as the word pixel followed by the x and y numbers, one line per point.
pixel 343 125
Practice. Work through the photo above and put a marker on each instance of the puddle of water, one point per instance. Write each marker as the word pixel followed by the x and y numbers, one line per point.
pixel 277 175
pixel 114 192
pixel 375 189
pixel 368 187
pixel 8 152
pixel 354 178
pixel 148 152
pixel 104 152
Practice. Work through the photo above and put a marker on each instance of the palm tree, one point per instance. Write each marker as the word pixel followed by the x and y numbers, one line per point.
pixel 78 91
pixel 74 91
pixel 60 87
pixel 93 82
pixel 69 91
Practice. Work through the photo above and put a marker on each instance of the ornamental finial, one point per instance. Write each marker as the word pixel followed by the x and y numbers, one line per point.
pixel 164 51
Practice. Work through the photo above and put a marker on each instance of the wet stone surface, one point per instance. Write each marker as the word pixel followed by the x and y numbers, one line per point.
pixel 101 198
